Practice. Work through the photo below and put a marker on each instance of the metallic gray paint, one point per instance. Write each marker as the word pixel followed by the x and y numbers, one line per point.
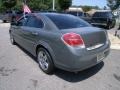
pixel 64 57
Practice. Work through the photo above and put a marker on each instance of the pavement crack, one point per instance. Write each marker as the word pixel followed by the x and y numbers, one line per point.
pixel 35 83
pixel 1 69
pixel 2 57
pixel 6 72
pixel 117 77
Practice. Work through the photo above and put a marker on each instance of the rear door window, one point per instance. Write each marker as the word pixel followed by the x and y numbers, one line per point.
pixel 34 22
pixel 22 21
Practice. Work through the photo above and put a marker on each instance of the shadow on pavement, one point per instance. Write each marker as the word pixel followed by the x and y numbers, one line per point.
pixel 80 76
pixel 70 76
pixel 27 53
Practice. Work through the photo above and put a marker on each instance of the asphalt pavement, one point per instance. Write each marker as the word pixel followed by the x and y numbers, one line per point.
pixel 20 71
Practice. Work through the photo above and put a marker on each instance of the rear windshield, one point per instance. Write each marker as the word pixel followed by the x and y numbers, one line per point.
pixel 67 21
pixel 103 14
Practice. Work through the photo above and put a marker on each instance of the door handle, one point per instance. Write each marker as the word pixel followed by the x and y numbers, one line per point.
pixel 34 33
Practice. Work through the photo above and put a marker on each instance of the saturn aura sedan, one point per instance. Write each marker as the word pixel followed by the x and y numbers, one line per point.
pixel 60 40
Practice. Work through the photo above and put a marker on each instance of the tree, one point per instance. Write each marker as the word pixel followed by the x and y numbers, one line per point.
pixel 40 4
pixel 113 4
pixel 86 8
pixel 64 4
pixel 9 3
pixel 37 4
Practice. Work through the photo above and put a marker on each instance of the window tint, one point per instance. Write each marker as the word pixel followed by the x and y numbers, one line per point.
pixel 103 14
pixel 67 21
pixel 22 21
pixel 34 22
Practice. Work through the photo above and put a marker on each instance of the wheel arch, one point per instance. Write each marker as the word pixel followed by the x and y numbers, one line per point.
pixel 44 45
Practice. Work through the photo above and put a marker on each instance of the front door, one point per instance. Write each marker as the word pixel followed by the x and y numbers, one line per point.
pixel 30 33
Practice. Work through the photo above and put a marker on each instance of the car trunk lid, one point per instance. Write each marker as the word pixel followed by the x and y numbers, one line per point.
pixel 91 36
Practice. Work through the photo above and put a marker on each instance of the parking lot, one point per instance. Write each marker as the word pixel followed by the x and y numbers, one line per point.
pixel 19 71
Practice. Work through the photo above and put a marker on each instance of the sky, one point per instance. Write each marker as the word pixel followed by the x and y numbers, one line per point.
pixel 100 3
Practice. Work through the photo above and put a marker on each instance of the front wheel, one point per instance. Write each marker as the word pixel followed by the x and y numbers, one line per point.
pixel 12 39
pixel 45 61
pixel 4 21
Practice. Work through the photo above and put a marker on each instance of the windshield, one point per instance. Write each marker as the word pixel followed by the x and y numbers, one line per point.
pixel 64 21
pixel 103 14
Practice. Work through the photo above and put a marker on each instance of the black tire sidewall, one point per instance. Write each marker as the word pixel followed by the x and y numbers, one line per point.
pixel 4 21
pixel 11 36
pixel 50 61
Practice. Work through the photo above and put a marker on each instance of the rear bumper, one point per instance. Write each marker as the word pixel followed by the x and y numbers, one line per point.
pixel 83 60
pixel 87 61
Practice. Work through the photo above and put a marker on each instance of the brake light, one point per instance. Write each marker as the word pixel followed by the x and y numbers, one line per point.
pixel 73 39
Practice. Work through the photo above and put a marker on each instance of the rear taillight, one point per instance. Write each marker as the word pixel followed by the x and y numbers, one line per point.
pixel 73 39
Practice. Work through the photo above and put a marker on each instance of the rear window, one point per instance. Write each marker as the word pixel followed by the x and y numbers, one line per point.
pixel 63 21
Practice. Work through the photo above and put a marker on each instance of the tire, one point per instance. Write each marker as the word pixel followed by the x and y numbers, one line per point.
pixel 12 39
pixel 108 27
pixel 45 61
pixel 4 21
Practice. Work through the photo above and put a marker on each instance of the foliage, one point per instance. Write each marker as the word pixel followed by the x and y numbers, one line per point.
pixel 35 5
pixel 41 5
pixel 113 4
pixel 9 3
pixel 64 4
pixel 86 8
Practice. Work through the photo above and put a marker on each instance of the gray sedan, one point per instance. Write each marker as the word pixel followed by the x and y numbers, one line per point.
pixel 60 40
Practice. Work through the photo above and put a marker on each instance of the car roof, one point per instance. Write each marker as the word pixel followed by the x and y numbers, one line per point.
pixel 50 14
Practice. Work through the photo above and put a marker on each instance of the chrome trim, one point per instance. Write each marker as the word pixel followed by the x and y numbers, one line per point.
pixel 95 46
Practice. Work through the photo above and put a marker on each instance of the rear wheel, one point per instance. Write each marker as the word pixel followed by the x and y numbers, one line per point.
pixel 109 26
pixel 45 61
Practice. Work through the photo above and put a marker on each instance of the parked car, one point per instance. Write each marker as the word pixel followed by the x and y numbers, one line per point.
pixel 81 14
pixel 103 18
pixel 60 40
pixel 10 16
pixel 7 16
pixel 86 17
pixel 117 32
pixel 75 13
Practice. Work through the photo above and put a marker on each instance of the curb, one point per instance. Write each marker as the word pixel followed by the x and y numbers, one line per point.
pixel 116 47
pixel 115 42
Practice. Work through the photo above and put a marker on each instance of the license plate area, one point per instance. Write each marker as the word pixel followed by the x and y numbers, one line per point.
pixel 100 56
